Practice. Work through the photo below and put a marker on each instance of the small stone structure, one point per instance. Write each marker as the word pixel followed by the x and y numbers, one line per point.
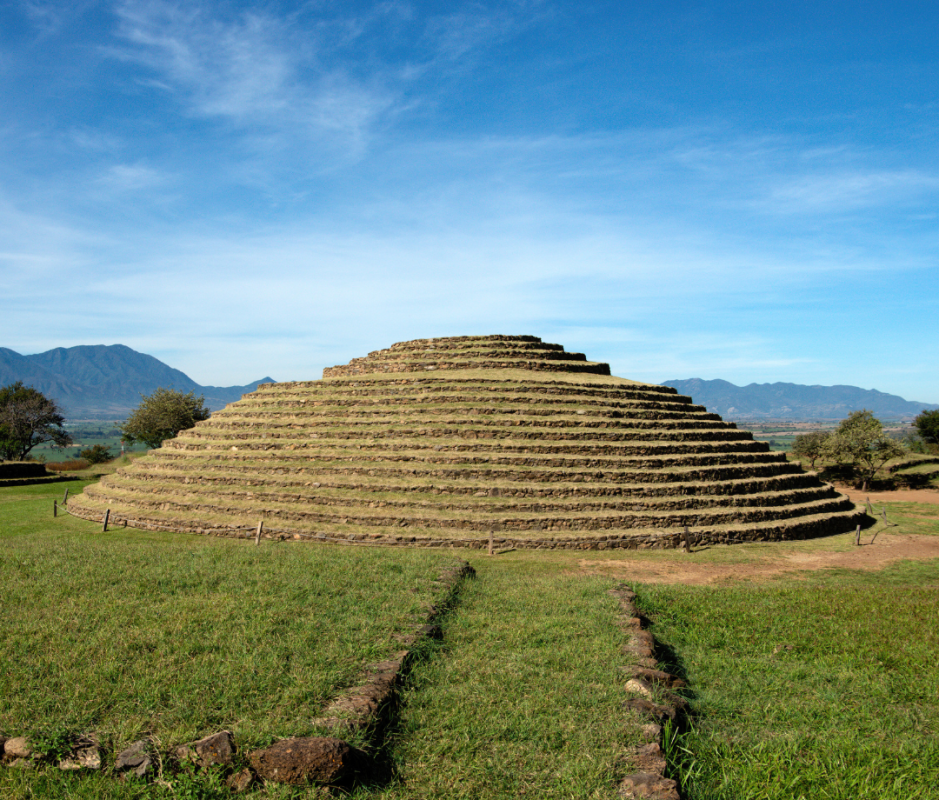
pixel 465 441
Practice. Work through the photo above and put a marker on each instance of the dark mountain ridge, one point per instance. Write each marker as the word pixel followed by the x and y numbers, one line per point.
pixel 106 381
pixel 795 401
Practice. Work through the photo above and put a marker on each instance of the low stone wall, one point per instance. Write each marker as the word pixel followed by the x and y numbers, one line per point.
pixel 652 702
pixel 785 530
pixel 22 469
pixel 367 367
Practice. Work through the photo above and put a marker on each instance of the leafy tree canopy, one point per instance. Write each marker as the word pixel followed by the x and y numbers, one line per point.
pixel 860 441
pixel 28 418
pixel 810 445
pixel 162 415
pixel 97 454
pixel 927 426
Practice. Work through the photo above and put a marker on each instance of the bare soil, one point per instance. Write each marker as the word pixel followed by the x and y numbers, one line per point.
pixel 929 496
pixel 877 550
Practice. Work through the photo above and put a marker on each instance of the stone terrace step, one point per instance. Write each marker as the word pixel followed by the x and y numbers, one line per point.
pixel 293 459
pixel 772 530
pixel 301 432
pixel 442 518
pixel 641 458
pixel 247 473
pixel 470 450
pixel 449 386
pixel 424 404
pixel 488 500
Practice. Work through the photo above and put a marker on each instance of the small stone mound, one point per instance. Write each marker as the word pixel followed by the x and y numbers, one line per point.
pixel 465 441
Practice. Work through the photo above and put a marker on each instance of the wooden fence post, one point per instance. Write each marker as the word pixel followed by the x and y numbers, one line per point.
pixel 107 516
pixel 65 499
pixel 55 508
pixel 687 541
pixel 857 536
pixel 257 536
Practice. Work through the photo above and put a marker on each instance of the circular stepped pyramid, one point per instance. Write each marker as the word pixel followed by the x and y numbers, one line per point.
pixel 450 441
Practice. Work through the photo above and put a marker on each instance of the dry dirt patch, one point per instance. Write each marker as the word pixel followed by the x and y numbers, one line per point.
pixel 887 546
pixel 886 549
pixel 928 496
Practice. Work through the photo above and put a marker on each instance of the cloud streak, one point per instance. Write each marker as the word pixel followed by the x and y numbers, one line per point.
pixel 253 71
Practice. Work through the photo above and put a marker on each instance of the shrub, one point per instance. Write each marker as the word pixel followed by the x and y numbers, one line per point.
pixel 810 445
pixel 162 415
pixel 97 454
pixel 860 441
pixel 927 426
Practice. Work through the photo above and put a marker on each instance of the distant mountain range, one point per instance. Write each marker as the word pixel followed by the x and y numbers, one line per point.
pixel 105 381
pixel 795 401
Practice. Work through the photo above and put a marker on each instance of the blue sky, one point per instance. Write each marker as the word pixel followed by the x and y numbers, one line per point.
pixel 746 191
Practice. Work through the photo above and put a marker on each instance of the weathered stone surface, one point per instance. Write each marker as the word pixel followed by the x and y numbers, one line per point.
pixel 82 757
pixel 648 786
pixel 317 759
pixel 135 759
pixel 647 708
pixel 649 758
pixel 639 686
pixel 657 676
pixel 651 731
pixel 17 747
pixel 217 749
pixel 240 781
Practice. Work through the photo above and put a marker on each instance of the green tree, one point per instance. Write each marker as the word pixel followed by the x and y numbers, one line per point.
pixel 860 441
pixel 162 415
pixel 96 454
pixel 810 445
pixel 28 418
pixel 927 426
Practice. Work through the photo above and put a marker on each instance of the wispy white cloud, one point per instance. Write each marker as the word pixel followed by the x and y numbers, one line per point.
pixel 130 178
pixel 843 191
pixel 253 70
pixel 453 36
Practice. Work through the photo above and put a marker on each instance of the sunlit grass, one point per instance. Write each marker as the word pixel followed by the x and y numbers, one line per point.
pixel 824 688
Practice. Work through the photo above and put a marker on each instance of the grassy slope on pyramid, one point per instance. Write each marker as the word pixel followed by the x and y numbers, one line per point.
pixel 444 441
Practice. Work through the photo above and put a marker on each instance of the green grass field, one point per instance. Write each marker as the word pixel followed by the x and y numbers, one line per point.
pixel 819 684
pixel 823 687
pixel 84 436
pixel 132 634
